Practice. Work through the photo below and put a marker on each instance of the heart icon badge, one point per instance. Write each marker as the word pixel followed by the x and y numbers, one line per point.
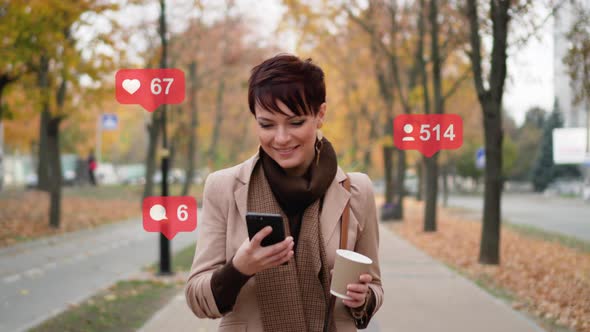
pixel 131 86
pixel 149 88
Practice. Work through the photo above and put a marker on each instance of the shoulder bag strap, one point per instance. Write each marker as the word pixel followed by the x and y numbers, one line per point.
pixel 345 218
pixel 343 240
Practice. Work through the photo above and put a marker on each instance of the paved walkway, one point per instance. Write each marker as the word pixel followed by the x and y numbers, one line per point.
pixel 421 294
pixel 41 278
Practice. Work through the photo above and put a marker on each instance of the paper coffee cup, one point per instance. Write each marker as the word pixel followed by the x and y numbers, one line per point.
pixel 348 267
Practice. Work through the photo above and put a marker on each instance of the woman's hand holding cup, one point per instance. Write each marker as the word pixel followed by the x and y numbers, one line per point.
pixel 252 258
pixel 350 280
pixel 358 291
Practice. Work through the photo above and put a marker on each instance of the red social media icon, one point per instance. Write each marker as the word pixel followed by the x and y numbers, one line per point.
pixel 169 215
pixel 150 88
pixel 428 133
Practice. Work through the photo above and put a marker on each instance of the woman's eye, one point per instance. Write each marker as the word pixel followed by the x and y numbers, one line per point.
pixel 264 125
pixel 298 123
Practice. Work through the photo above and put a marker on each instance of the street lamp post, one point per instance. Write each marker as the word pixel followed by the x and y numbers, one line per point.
pixel 165 267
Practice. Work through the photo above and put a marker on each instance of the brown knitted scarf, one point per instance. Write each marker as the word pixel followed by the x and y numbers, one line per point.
pixel 292 297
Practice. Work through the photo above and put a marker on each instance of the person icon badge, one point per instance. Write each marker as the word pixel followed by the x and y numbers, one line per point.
pixel 408 128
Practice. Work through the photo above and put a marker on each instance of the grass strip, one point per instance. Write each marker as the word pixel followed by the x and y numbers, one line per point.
pixel 532 231
pixel 538 233
pixel 181 261
pixel 125 306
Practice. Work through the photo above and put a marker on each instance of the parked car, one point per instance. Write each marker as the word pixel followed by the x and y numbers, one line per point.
pixel 105 174
pixel 175 175
pixel 566 187
pixel 131 174
pixel 68 168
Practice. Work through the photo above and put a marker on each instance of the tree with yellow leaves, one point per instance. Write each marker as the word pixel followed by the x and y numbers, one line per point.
pixel 43 36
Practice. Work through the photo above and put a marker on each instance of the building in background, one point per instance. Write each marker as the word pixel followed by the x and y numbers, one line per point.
pixel 574 115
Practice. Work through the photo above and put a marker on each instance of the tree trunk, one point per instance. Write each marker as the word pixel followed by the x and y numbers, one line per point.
pixel 388 167
pixel 445 183
pixel 54 171
pixel 192 142
pixel 390 188
pixel 422 62
pixel 400 188
pixel 54 153
pixel 490 99
pixel 421 178
pixel 490 236
pixel 386 92
pixel 42 152
pixel 432 162
pixel 426 98
pixel 431 193
pixel 42 159
pixel 373 135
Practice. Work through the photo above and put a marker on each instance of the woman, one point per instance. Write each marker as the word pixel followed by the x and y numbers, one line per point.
pixel 295 173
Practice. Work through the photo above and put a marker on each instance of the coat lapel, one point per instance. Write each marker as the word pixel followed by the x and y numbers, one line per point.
pixel 243 176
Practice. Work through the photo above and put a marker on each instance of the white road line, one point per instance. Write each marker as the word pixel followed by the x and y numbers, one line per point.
pixel 31 273
pixel 11 279
pixel 101 250
pixel 49 266
pixel 80 257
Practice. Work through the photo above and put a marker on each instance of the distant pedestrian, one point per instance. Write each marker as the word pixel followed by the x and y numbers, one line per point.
pixel 92 168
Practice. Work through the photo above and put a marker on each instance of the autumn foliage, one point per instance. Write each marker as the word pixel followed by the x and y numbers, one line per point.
pixel 544 278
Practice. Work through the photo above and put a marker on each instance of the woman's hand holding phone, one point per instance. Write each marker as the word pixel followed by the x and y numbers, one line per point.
pixel 252 258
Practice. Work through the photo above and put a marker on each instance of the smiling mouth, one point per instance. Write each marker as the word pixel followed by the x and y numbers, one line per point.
pixel 285 151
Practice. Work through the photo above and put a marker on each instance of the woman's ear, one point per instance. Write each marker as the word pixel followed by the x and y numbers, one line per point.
pixel 321 114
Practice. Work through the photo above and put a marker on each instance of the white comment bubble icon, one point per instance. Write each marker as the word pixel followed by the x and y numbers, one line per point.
pixel 158 212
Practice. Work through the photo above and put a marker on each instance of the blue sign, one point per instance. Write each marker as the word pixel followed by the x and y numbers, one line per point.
pixel 480 158
pixel 109 121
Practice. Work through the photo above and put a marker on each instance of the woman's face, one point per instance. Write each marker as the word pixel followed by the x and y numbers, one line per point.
pixel 289 139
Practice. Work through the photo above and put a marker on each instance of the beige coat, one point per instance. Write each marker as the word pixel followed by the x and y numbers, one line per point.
pixel 222 229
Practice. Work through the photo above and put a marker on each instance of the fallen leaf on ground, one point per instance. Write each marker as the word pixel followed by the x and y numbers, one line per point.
pixel 546 278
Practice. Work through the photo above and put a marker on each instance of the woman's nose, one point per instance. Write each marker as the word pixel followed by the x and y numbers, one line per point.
pixel 282 135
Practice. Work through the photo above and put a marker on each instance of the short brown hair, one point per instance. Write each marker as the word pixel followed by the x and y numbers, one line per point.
pixel 298 84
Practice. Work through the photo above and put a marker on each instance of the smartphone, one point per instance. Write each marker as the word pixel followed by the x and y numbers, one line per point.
pixel 257 221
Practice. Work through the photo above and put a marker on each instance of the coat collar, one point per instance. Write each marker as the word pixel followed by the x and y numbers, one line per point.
pixel 335 198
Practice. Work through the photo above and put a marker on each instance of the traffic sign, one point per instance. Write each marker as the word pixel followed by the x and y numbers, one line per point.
pixel 480 158
pixel 109 121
